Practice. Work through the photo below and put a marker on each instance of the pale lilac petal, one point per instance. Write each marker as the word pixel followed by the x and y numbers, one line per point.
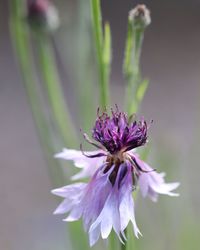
pixel 127 213
pixel 108 217
pixel 126 207
pixel 69 190
pixel 82 174
pixel 165 188
pixel 64 207
pixel 89 165
pixel 72 194
pixel 85 200
pixel 144 184
pixel 153 183
pixel 94 235
pixel 75 214
pixel 98 190
pixel 152 195
pixel 106 224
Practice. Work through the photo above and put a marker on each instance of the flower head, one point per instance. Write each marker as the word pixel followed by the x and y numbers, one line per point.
pixel 118 133
pixel 115 170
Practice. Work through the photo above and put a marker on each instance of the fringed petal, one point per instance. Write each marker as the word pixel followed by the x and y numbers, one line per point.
pixel 94 235
pixel 126 207
pixel 89 165
pixel 153 183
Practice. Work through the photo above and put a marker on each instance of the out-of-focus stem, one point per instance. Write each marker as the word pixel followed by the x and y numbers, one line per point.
pixel 114 243
pixel 132 66
pixel 53 87
pixel 83 67
pixel 21 45
pixel 103 46
pixel 124 246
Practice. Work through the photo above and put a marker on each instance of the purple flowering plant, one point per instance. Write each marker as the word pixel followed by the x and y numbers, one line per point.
pixel 114 170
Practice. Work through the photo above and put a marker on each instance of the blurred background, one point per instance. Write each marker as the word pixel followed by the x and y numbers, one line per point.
pixel 171 61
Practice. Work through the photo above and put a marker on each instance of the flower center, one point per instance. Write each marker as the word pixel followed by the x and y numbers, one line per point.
pixel 116 160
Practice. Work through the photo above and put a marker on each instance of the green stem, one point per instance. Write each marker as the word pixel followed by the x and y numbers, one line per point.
pixel 100 44
pixel 53 87
pixel 84 72
pixel 131 68
pixel 21 45
pixel 22 49
pixel 123 246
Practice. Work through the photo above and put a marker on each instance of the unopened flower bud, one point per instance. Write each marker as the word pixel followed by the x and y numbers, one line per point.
pixel 43 15
pixel 140 16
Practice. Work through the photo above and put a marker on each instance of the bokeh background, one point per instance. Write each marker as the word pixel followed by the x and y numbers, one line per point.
pixel 171 60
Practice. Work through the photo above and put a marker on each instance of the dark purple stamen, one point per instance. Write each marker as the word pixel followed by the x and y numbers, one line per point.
pixel 86 137
pixel 139 167
pixel 91 156
pixel 118 132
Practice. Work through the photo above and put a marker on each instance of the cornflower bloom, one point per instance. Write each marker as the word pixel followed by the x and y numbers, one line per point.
pixel 114 169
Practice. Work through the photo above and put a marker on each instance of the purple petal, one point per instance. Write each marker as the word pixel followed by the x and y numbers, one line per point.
pixel 64 207
pixel 98 190
pixel 89 165
pixel 75 214
pixel 110 214
pixel 126 207
pixel 153 183
pixel 72 194
pixel 69 190
pixel 108 217
pixel 94 235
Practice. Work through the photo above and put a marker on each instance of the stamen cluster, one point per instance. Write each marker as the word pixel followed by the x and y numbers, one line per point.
pixel 119 132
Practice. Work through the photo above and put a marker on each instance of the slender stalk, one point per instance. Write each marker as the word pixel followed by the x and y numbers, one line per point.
pixel 130 244
pixel 21 45
pixel 124 246
pixel 53 87
pixel 132 66
pixel 83 67
pixel 102 47
pixel 114 243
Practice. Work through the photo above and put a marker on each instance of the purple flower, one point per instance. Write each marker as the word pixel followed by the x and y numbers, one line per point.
pixel 115 170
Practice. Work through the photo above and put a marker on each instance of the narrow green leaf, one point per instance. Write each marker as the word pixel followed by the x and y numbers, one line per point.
pixel 142 90
pixel 107 46
pixel 106 58
pixel 97 27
